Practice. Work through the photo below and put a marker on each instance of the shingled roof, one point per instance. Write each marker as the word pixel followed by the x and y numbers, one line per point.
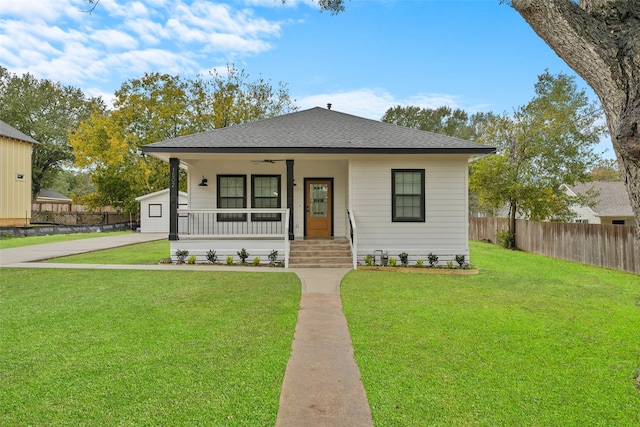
pixel 613 199
pixel 11 132
pixel 317 130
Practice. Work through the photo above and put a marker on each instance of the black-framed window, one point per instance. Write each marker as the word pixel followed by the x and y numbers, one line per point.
pixel 265 194
pixel 155 210
pixel 407 189
pixel 232 194
pixel 618 221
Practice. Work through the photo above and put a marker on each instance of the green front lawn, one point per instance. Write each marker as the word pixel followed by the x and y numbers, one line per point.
pixel 111 348
pixel 530 341
pixel 15 242
pixel 138 254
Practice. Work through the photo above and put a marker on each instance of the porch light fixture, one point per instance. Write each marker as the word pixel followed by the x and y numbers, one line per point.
pixel 203 183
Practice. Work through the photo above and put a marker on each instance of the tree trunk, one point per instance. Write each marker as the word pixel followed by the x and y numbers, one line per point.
pixel 512 224
pixel 600 40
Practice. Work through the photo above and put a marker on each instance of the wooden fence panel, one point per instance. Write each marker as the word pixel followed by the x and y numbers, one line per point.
pixel 602 245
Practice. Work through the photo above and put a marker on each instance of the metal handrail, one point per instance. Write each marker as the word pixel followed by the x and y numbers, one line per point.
pixel 353 238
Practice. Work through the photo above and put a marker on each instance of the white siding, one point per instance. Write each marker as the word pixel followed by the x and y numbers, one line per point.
pixel 160 202
pixel 445 230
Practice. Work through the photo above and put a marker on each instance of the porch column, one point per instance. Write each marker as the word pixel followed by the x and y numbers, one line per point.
pixel 174 188
pixel 290 196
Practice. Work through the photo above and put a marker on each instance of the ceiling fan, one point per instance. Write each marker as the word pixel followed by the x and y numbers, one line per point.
pixel 267 161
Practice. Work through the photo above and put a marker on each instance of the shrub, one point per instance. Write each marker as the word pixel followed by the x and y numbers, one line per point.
pixel 211 256
pixel 243 255
pixel 230 260
pixel 273 257
pixel 460 260
pixel 419 263
pixel 504 238
pixel 191 260
pixel 392 261
pixel 450 264
pixel 404 258
pixel 256 261
pixel 368 260
pixel 182 255
pixel 433 259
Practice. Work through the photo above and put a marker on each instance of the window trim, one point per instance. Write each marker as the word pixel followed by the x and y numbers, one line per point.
pixel 266 217
pixel 221 217
pixel 394 217
pixel 158 212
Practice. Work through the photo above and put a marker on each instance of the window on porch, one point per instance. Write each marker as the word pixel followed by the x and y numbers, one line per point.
pixel 265 194
pixel 232 195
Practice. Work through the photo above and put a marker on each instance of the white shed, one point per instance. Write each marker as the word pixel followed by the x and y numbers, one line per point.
pixel 154 211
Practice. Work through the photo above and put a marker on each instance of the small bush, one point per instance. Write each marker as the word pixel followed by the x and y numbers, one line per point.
pixel 368 260
pixel 211 256
pixel 243 255
pixel 273 257
pixel 230 260
pixel 460 260
pixel 450 264
pixel 404 258
pixel 182 255
pixel 433 259
pixel 256 261
pixel 504 238
pixel 392 261
pixel 191 260
pixel 419 263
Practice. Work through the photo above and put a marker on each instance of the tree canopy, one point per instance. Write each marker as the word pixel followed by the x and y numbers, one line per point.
pixel 444 120
pixel 545 143
pixel 157 107
pixel 46 111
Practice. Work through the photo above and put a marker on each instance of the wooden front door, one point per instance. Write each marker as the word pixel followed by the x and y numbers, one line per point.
pixel 318 207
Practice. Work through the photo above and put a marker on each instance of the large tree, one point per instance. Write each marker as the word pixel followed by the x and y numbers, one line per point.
pixel 599 40
pixel 156 107
pixel 46 111
pixel 544 144
pixel 444 120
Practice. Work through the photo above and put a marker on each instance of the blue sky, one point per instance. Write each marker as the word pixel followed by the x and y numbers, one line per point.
pixel 478 55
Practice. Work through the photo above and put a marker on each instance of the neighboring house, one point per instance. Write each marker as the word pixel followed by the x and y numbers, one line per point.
pixel 52 201
pixel 321 174
pixel 154 211
pixel 15 176
pixel 612 206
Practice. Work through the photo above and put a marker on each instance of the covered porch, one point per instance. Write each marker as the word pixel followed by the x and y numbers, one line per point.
pixel 241 201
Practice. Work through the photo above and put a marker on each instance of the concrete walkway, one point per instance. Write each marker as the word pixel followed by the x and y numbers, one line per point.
pixel 321 386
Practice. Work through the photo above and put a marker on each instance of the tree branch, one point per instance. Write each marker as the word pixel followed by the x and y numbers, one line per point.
pixel 584 42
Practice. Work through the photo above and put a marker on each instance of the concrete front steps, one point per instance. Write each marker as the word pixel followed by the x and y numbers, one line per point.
pixel 318 253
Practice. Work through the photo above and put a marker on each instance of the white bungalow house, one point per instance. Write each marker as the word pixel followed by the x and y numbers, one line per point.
pixel 323 176
pixel 612 203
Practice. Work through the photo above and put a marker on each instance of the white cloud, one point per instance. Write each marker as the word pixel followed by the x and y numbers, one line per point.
pixel 114 39
pixel 373 103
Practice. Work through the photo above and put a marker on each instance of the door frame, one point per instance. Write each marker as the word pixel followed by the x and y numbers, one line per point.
pixel 305 201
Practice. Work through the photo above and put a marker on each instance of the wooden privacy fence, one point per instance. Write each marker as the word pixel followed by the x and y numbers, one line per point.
pixel 602 245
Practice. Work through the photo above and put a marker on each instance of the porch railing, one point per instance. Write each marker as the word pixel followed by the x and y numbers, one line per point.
pixel 236 224
pixel 353 238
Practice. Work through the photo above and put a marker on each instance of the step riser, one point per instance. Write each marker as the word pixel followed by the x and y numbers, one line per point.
pixel 320 254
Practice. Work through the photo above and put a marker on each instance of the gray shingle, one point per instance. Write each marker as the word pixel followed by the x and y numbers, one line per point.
pixel 317 130
pixel 11 132
pixel 613 199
